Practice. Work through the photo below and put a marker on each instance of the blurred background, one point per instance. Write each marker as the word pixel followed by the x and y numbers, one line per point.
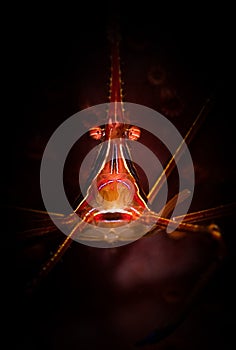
pixel 172 60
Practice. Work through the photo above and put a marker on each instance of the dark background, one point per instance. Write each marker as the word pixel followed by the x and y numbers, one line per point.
pixel 111 298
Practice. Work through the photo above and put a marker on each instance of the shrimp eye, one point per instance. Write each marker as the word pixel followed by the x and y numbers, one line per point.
pixel 96 133
pixel 134 133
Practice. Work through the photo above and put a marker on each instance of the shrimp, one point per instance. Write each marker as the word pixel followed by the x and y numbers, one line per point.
pixel 115 198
